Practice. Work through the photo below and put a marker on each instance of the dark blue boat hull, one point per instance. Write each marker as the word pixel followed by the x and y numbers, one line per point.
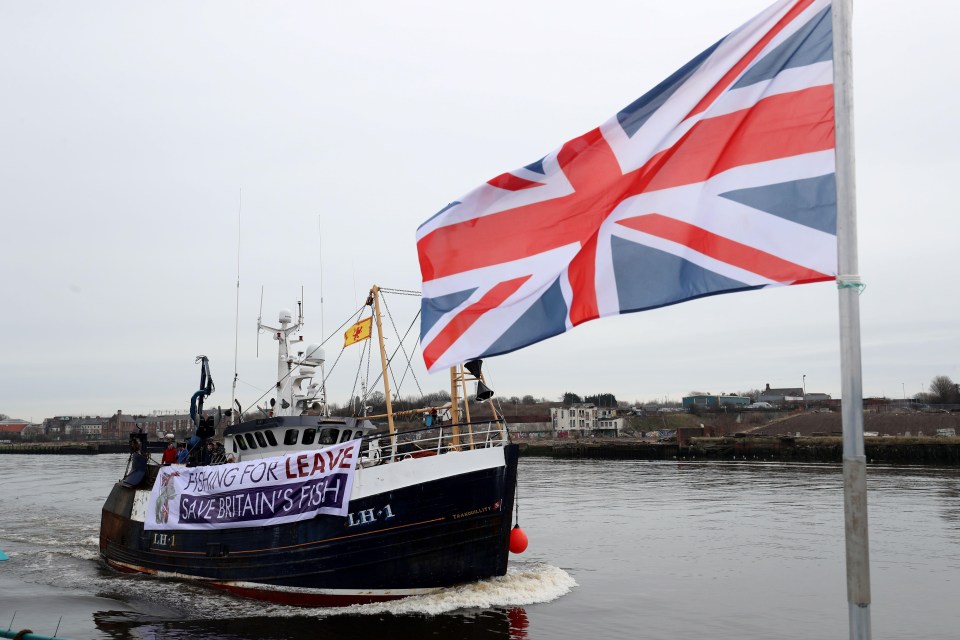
pixel 430 535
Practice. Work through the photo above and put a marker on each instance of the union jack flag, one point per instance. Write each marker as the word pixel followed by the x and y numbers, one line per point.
pixel 720 179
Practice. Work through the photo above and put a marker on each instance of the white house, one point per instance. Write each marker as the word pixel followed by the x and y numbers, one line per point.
pixel 585 419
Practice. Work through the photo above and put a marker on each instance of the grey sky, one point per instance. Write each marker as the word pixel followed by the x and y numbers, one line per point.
pixel 127 130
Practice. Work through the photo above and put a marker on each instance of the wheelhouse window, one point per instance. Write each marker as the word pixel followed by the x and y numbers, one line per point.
pixel 250 441
pixel 309 435
pixel 290 437
pixel 345 435
pixel 238 442
pixel 272 439
pixel 328 436
pixel 260 439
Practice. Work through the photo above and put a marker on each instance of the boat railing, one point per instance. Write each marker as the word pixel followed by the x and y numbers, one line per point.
pixel 435 440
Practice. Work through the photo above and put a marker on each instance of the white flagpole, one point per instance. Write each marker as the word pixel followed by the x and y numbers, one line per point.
pixel 848 280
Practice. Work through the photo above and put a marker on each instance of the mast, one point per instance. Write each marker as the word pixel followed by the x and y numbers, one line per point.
pixel 455 404
pixel 374 291
pixel 850 285
pixel 284 361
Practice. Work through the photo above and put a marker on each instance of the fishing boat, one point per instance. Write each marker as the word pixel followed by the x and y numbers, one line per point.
pixel 401 511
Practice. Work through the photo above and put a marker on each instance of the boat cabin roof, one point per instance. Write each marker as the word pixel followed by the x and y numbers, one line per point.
pixel 278 435
pixel 295 422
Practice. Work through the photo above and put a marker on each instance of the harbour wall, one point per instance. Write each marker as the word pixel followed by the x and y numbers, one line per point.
pixel 932 451
pixel 65 448
pixel 890 450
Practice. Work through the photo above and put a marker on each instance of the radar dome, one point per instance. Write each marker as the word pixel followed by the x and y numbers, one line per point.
pixel 286 317
pixel 314 354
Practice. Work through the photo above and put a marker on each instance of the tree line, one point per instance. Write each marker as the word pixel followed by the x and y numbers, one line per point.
pixel 943 390
pixel 598 399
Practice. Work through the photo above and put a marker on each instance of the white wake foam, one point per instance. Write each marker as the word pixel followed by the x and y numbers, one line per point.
pixel 523 585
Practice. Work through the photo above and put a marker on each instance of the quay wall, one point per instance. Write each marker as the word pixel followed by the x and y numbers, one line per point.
pixel 892 450
pixel 66 448
pixel 932 451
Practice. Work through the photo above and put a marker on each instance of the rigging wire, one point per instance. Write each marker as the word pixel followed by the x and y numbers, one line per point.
pixel 405 354
pixel 409 366
pixel 402 292
pixel 356 379
pixel 236 322
pixel 356 314
pixel 324 381
pixel 392 356
pixel 389 361
pixel 366 380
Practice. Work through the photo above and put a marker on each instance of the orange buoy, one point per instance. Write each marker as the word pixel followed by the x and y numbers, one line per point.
pixel 518 540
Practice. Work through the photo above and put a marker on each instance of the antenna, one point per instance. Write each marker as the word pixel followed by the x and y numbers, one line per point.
pixel 323 332
pixel 236 321
pixel 353 265
pixel 259 319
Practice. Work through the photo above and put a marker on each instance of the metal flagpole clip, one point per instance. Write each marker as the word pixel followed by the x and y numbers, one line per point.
pixel 851 282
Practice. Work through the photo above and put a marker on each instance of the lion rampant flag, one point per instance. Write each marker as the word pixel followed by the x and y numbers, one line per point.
pixel 359 331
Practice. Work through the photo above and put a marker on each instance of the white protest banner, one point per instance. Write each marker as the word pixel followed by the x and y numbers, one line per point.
pixel 261 492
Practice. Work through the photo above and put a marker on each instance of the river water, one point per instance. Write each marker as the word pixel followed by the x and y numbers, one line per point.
pixel 618 549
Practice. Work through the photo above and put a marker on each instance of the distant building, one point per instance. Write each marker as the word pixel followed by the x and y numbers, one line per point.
pixel 89 429
pixel 118 426
pixel 75 427
pixel 156 427
pixel 178 424
pixel 13 429
pixel 793 396
pixel 782 396
pixel 708 401
pixel 586 419
pixel 55 428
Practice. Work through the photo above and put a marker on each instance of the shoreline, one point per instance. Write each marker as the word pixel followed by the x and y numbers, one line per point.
pixel 940 451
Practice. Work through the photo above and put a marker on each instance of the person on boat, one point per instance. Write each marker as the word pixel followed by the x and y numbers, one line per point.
pixel 206 454
pixel 193 451
pixel 169 454
pixel 219 454
pixel 182 453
